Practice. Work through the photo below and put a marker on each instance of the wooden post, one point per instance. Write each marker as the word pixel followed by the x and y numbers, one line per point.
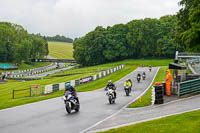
pixel 30 91
pixel 13 93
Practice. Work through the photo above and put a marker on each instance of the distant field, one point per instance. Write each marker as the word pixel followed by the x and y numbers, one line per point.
pixel 61 50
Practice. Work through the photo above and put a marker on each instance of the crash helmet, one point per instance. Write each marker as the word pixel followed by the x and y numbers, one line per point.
pixel 109 81
pixel 67 84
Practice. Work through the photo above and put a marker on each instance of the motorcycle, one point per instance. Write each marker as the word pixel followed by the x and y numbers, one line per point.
pixel 71 103
pixel 143 76
pixel 110 94
pixel 105 89
pixel 150 69
pixel 138 79
pixel 127 90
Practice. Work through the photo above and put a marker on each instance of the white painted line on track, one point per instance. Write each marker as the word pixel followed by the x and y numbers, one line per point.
pixel 85 130
pixel 132 123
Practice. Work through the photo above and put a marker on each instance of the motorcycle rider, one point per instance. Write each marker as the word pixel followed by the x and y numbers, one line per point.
pixel 130 82
pixel 127 82
pixel 71 89
pixel 150 68
pixel 110 85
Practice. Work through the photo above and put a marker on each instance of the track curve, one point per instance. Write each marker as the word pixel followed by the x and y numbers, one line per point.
pixel 50 115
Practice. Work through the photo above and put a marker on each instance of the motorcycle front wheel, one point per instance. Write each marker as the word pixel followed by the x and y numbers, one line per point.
pixel 67 107
pixel 110 99
pixel 127 92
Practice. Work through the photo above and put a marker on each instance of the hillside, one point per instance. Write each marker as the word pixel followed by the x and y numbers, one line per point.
pixel 61 50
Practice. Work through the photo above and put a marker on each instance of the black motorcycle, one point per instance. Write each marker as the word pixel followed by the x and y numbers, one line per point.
pixel 138 78
pixel 150 69
pixel 71 103
pixel 127 90
pixel 143 76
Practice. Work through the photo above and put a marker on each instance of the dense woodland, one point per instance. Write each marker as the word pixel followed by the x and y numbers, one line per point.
pixel 17 46
pixel 144 38
pixel 136 39
pixel 59 38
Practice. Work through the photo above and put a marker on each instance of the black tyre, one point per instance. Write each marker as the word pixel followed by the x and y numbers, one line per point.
pixel 127 92
pixel 110 99
pixel 68 109
pixel 77 108
pixel 113 101
pixel 159 101
pixel 158 96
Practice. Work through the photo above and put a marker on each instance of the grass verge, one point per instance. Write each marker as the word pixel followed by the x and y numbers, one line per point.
pixel 146 98
pixel 182 123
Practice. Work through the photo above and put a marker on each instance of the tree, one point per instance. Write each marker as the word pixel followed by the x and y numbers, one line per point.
pixel 17 46
pixel 60 39
pixel 136 39
pixel 188 28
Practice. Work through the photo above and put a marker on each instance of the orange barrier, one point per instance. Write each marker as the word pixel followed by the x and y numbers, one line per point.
pixel 158 83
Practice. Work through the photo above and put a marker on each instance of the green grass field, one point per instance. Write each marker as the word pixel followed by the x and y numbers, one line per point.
pixel 146 98
pixel 6 89
pixel 61 50
pixel 183 123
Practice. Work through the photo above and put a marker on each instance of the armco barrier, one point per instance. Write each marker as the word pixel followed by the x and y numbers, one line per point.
pixel 91 78
pixel 77 82
pixel 61 86
pixel 189 87
pixel 111 70
pixel 104 73
pixel 85 80
pixel 100 75
pixel 108 71
pixel 94 77
pixel 48 89
pixel 72 82
pixel 55 87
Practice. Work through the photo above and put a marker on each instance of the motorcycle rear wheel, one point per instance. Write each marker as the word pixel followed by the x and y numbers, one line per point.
pixel 77 108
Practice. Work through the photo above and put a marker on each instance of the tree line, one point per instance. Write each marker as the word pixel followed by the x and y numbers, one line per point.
pixel 136 39
pixel 142 38
pixel 59 38
pixel 18 46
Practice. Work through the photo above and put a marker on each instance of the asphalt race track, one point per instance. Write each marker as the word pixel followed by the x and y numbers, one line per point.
pixel 50 115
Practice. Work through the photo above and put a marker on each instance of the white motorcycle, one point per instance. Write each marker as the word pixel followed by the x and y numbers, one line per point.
pixel 111 97
pixel 70 102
